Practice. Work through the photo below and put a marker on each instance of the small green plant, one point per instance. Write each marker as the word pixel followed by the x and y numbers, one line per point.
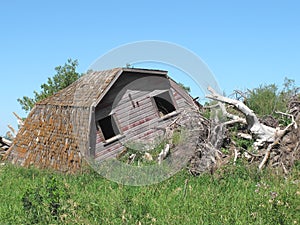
pixel 244 143
pixel 225 151
pixel 206 113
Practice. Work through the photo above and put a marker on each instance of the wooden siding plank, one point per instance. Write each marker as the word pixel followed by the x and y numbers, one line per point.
pixel 133 117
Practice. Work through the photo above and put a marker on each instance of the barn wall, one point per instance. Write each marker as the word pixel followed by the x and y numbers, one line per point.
pixel 131 103
pixel 183 99
pixel 133 117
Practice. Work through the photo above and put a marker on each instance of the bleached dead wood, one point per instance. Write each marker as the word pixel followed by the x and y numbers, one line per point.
pixel 163 154
pixel 235 118
pixel 236 153
pixel 289 115
pixel 245 136
pixel 131 158
pixel 14 133
pixel 261 132
pixel 279 134
pixel 4 141
pixel 4 146
pixel 19 120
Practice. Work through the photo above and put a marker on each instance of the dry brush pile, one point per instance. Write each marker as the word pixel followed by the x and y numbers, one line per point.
pixel 235 132
pixel 4 146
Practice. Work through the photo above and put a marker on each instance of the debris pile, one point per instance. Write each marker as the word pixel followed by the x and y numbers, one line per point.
pixel 260 141
pixel 181 136
pixel 4 146
pixel 7 141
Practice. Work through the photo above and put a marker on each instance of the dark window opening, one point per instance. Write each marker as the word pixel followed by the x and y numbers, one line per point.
pixel 164 103
pixel 108 127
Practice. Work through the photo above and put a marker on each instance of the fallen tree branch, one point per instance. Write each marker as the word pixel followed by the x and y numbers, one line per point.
pixel 5 142
pixel 163 154
pixel 240 93
pixel 235 118
pixel 236 153
pixel 232 122
pixel 279 135
pixel 211 106
pixel 261 132
pixel 19 120
pixel 14 133
pixel 284 168
pixel 245 136
pixel 253 155
pixel 289 115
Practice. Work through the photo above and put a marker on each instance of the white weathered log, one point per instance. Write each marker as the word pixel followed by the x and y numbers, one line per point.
pixel 236 153
pixel 19 120
pixel 261 132
pixel 245 136
pixel 5 141
pixel 131 158
pixel 14 133
pixel 231 116
pixel 163 154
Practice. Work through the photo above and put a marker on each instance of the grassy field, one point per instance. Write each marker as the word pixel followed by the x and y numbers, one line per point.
pixel 234 195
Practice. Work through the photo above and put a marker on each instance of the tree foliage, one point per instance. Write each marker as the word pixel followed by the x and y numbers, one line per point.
pixel 267 99
pixel 187 88
pixel 65 75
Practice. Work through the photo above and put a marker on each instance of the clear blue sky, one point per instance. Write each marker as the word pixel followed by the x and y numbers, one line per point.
pixel 245 43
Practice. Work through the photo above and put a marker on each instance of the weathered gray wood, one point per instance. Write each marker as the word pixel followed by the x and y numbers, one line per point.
pixel 60 130
pixel 137 114
pixel 262 132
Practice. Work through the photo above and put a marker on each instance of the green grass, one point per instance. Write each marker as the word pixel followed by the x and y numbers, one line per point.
pixel 234 195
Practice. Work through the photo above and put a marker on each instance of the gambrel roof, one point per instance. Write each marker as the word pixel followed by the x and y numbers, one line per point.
pixel 56 132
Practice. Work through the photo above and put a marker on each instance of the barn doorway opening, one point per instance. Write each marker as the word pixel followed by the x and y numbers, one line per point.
pixel 164 103
pixel 109 127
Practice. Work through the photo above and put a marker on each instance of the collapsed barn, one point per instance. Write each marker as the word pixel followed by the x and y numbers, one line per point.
pixel 96 115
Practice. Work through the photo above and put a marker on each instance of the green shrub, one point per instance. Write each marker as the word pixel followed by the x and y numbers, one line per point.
pixel 267 99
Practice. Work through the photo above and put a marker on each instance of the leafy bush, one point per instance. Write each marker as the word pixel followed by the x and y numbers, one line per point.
pixel 267 99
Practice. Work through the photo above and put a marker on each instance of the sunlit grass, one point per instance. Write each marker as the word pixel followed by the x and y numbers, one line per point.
pixel 234 195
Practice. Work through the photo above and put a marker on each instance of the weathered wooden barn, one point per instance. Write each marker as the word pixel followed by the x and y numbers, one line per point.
pixel 96 115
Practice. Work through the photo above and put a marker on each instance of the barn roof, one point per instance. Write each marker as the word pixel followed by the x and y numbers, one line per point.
pixel 56 131
pixel 87 90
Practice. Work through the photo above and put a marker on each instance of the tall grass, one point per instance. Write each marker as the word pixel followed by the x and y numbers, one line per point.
pixel 234 195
